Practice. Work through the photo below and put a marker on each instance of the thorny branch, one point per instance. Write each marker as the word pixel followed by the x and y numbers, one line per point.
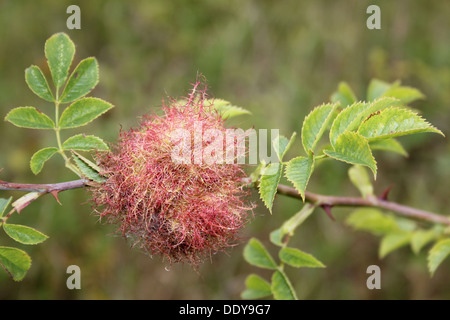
pixel 327 202
pixel 324 201
pixel 37 190
pixel 43 188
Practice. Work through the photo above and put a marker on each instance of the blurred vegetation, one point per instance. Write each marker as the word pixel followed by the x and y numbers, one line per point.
pixel 279 59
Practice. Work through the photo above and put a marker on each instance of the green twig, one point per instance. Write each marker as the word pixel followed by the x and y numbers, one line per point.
pixel 57 129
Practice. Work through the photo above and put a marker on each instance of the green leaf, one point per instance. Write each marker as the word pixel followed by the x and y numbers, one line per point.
pixel 353 148
pixel 359 177
pixel 394 122
pixel 59 51
pixel 347 120
pixel 3 205
pixel 344 95
pixel 279 145
pixel 405 224
pixel 281 287
pixel 254 176
pixel 388 145
pixel 84 143
pixel 88 162
pixel 29 117
pixel 82 80
pixel 296 220
pixel 24 234
pixel 297 258
pixel 83 111
pixel 315 124
pixel 404 94
pixel 351 117
pixel 268 183
pixel 276 237
pixel 377 88
pixel 289 226
pixel 420 238
pixel 298 171
pixel 437 254
pixel 257 288
pixel 225 108
pixel 282 145
pixel 40 157
pixel 16 262
pixel 393 241
pixel 256 254
pixel 372 220
pixel 87 168
pixel 37 83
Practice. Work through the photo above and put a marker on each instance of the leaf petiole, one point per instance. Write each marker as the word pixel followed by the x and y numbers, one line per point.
pixel 57 129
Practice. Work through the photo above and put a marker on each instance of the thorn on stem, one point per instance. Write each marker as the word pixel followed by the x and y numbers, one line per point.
pixel 55 194
pixel 327 209
pixel 385 193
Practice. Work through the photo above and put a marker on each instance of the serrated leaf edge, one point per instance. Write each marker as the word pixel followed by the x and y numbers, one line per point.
pixel 64 93
pixel 29 108
pixel 324 124
pixel 289 164
pixel 279 172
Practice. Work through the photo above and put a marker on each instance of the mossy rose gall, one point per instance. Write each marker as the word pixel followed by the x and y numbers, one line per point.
pixel 182 211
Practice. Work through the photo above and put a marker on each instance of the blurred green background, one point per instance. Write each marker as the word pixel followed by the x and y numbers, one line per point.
pixel 278 59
